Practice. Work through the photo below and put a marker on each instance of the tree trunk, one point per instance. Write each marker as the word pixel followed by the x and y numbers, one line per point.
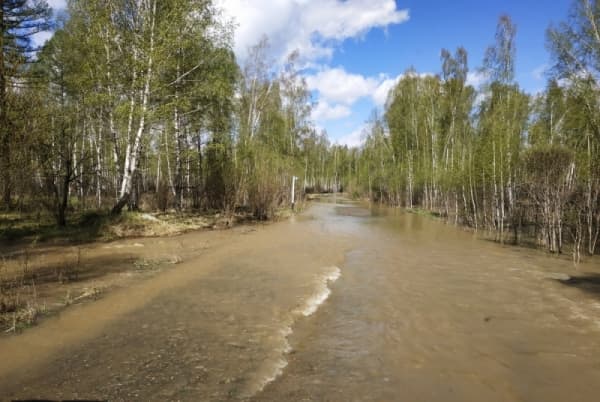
pixel 5 161
pixel 199 173
pixel 131 158
pixel 63 195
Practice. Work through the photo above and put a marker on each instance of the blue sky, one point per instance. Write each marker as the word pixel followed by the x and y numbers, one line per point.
pixel 357 49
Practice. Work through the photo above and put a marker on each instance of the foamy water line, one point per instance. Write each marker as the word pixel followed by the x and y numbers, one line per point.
pixel 322 293
pixel 310 307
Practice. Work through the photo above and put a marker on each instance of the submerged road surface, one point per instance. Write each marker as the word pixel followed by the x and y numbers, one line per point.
pixel 342 303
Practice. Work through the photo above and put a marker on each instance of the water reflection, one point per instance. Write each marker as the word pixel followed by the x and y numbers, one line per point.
pixel 427 311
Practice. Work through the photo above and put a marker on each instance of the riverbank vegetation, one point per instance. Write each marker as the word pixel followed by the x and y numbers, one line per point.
pixel 524 166
pixel 142 105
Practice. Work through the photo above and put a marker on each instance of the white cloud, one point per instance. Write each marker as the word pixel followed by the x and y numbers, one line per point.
pixel 383 89
pixel 476 78
pixel 324 111
pixel 314 27
pixel 354 139
pixel 41 37
pixel 337 85
pixel 346 19
pixel 386 84
pixel 57 4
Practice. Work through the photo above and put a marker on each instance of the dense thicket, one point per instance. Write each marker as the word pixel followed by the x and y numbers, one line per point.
pixel 522 166
pixel 19 21
pixel 141 104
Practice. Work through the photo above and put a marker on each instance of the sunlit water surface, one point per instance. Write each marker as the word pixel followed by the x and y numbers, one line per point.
pixel 342 303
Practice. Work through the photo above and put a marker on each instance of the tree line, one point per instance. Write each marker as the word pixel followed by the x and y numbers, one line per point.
pixel 142 104
pixel 526 167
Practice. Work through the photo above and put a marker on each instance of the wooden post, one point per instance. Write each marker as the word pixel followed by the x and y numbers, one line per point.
pixel 294 178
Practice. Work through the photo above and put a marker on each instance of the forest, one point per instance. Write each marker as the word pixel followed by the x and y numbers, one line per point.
pixel 141 104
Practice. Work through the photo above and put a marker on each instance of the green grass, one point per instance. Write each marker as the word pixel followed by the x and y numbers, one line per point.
pixel 81 227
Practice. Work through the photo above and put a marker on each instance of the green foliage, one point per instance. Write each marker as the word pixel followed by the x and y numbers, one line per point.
pixel 506 163
pixel 142 104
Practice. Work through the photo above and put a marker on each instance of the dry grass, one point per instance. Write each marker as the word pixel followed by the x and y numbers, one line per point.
pixel 19 304
pixel 22 229
pixel 155 225
pixel 20 282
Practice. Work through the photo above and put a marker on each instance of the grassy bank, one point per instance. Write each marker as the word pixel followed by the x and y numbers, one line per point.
pixel 22 229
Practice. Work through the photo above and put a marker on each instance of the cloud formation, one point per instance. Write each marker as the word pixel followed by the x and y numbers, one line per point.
pixel 314 27
pixel 380 95
pixel 41 37
pixel 57 4
pixel 476 78
pixel 323 111
pixel 337 85
pixel 354 139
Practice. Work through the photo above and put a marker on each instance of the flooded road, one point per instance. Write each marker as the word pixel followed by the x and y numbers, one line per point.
pixel 342 303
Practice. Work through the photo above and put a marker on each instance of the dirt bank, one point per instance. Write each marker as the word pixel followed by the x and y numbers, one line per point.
pixel 41 278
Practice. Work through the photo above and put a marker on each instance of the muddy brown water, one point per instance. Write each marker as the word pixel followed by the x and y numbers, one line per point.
pixel 342 303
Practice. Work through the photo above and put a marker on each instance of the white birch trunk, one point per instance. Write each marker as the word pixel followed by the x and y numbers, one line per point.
pixel 132 152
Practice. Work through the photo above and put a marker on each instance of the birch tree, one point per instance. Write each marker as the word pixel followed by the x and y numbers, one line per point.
pixel 575 47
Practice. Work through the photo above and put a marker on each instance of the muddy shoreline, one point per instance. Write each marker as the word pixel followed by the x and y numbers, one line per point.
pixel 40 280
